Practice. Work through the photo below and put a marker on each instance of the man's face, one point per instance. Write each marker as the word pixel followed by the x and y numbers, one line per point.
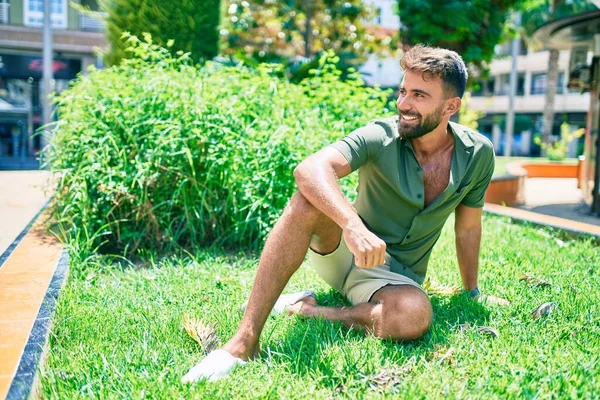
pixel 420 105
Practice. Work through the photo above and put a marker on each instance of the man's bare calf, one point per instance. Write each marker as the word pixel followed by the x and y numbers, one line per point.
pixel 401 313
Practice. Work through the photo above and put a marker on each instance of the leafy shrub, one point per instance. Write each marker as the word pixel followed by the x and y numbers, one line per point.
pixel 155 152
pixel 557 149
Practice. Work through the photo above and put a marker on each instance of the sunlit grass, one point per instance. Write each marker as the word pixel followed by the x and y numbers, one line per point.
pixel 118 333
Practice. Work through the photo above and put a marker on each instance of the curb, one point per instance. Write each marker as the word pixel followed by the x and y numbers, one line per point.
pixel 26 383
pixel 575 228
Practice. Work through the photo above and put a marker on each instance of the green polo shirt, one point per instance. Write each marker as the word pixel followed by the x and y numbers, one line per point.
pixel 391 200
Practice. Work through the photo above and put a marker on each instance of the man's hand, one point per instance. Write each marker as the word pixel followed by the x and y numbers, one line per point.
pixel 368 249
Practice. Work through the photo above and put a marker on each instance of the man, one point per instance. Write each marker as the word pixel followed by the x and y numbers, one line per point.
pixel 414 170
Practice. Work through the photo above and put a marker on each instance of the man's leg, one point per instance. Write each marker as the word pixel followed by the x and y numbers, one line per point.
pixel 300 225
pixel 401 312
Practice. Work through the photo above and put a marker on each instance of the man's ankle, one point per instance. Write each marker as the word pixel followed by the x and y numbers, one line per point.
pixel 242 348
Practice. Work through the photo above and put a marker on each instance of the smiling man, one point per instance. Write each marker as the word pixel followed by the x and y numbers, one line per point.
pixel 414 170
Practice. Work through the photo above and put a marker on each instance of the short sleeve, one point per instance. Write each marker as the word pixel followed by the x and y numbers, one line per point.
pixel 476 196
pixel 363 144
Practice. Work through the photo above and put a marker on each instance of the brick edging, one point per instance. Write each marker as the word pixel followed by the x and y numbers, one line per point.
pixel 6 254
pixel 25 383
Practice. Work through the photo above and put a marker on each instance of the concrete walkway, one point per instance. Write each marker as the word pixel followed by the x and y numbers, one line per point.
pixel 557 197
pixel 22 195
pixel 30 279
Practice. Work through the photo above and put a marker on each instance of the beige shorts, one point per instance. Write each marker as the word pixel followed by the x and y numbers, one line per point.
pixel 357 284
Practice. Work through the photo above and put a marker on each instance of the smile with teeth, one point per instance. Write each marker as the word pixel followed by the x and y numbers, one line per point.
pixel 408 118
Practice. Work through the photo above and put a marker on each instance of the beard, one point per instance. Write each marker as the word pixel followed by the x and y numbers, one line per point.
pixel 416 130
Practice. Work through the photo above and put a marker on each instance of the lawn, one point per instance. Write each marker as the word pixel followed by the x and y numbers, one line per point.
pixel 118 332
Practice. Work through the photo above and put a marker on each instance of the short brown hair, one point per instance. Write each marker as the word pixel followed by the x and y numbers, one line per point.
pixel 437 62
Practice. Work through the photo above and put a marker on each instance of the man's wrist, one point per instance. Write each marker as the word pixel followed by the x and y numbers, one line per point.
pixel 474 293
pixel 352 221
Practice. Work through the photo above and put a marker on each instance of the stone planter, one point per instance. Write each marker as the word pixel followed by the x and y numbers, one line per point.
pixel 509 190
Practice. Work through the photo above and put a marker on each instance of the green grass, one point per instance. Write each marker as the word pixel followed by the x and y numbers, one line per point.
pixel 502 162
pixel 118 332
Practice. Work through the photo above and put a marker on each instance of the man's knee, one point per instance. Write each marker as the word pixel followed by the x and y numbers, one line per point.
pixel 299 205
pixel 406 314
pixel 301 213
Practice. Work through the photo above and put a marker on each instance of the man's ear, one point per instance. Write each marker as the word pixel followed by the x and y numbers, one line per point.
pixel 453 105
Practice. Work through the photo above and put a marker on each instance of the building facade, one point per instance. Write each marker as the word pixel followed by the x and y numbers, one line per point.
pixel 384 72
pixel 491 97
pixel 580 34
pixel 77 38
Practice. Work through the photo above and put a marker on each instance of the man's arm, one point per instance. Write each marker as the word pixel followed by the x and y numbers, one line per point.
pixel 317 179
pixel 467 228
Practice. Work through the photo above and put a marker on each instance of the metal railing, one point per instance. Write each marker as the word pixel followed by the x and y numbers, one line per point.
pixel 4 5
pixel 87 23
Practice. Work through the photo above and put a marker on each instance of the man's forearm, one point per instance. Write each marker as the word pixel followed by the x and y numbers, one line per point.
pixel 467 251
pixel 320 186
pixel 317 180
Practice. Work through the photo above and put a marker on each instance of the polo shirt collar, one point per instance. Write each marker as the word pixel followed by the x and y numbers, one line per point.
pixel 462 156
pixel 463 150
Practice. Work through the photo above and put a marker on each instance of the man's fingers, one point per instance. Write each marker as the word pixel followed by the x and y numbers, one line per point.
pixel 360 258
pixel 378 252
pixel 368 249
pixel 382 257
pixel 368 256
pixel 371 255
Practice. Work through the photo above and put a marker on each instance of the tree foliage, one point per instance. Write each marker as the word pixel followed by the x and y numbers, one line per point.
pixel 291 29
pixel 536 13
pixel 191 24
pixel 471 28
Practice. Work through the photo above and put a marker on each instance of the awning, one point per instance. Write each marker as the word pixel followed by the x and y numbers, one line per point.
pixel 573 31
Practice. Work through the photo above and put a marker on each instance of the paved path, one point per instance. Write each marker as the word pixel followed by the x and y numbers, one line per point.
pixel 29 280
pixel 557 197
pixel 22 195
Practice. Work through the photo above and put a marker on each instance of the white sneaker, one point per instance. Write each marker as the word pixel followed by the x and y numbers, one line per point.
pixel 216 365
pixel 285 300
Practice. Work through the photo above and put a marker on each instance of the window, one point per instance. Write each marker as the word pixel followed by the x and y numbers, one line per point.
pixel 505 49
pixel 504 88
pixel 478 89
pixel 491 87
pixel 539 82
pixel 484 88
pixel 560 83
pixel 34 13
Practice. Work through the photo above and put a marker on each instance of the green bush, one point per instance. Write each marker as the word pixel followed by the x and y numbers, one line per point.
pixel 156 153
pixel 557 149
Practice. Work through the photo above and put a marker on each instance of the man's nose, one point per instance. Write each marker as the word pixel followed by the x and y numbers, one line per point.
pixel 402 103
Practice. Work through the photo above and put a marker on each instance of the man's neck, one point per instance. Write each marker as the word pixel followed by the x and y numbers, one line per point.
pixel 435 141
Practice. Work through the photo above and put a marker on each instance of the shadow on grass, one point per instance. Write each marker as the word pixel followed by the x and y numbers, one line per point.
pixel 320 348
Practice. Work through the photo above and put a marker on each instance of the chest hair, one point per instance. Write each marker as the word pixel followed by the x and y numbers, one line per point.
pixel 436 173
